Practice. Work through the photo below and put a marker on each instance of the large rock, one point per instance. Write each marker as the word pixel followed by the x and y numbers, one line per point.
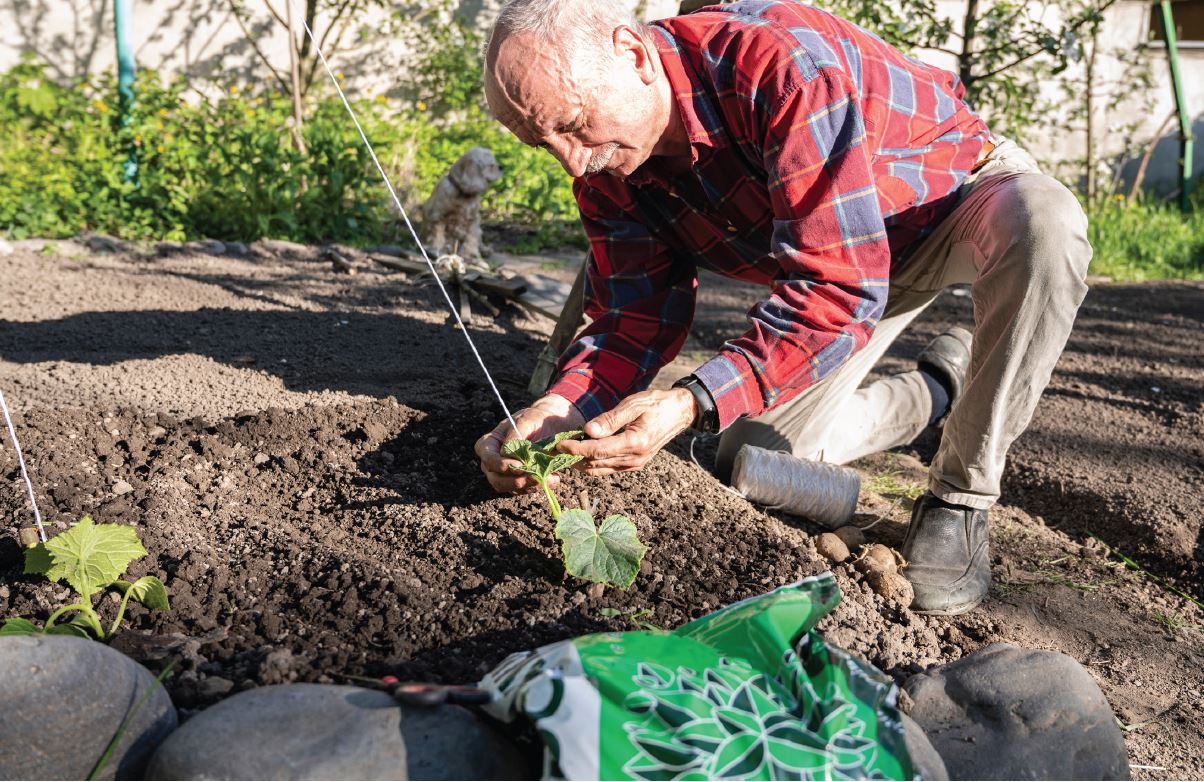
pixel 320 731
pixel 62 699
pixel 924 757
pixel 1009 713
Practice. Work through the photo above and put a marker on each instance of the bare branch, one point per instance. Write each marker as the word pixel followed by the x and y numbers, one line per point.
pixel 255 45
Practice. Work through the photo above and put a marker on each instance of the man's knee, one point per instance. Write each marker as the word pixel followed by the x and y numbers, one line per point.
pixel 1044 231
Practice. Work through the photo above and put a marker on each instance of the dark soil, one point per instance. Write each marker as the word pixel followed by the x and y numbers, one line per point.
pixel 299 446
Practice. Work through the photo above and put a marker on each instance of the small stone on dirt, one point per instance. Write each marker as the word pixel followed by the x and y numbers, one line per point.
pixel 832 547
pixel 851 535
pixel 122 487
pixel 261 458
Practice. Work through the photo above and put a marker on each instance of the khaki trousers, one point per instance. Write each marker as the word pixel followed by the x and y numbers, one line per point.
pixel 1019 238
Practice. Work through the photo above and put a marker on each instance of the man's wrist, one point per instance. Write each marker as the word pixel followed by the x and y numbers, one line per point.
pixel 706 417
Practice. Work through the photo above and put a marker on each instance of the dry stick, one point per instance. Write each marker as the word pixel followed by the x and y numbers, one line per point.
pixel 12 433
pixel 1145 159
pixel 413 233
pixel 295 83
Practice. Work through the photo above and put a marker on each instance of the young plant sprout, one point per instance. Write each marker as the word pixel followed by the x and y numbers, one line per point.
pixel 609 554
pixel 90 558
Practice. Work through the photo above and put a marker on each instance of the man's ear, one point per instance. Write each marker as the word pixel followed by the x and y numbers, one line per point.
pixel 631 47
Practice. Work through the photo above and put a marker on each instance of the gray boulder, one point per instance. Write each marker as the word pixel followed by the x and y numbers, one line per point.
pixel 62 699
pixel 1009 713
pixel 321 731
pixel 924 756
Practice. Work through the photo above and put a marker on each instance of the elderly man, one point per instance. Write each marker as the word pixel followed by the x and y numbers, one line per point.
pixel 775 143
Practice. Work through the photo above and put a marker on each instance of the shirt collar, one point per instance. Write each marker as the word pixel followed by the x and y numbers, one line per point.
pixel 699 113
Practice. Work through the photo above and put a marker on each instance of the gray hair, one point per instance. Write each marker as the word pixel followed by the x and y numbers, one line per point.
pixel 581 30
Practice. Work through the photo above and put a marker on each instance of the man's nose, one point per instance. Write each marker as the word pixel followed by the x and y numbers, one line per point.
pixel 572 156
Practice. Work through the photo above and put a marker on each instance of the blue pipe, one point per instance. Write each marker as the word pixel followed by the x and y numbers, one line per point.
pixel 123 18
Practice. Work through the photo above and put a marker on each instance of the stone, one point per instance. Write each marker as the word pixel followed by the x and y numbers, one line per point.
pixel 1009 713
pixel 237 248
pixel 924 757
pixel 103 244
pixel 122 487
pixel 210 246
pixel 325 731
pixel 5 248
pixel 64 699
pixel 168 248
pixel 281 247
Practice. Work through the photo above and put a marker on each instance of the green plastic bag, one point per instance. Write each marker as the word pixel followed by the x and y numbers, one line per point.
pixel 748 692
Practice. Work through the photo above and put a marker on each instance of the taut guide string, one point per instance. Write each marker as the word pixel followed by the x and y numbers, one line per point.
pixel 12 433
pixel 397 201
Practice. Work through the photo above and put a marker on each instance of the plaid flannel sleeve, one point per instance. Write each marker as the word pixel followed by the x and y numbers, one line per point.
pixel 640 301
pixel 830 241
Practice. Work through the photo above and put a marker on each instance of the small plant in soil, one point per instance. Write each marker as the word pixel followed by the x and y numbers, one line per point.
pixel 607 554
pixel 91 558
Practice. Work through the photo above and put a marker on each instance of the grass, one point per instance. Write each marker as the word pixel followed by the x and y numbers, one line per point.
pixel 1173 621
pixel 1149 239
pixel 889 484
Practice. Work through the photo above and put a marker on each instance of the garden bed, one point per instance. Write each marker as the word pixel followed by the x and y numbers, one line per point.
pixel 295 448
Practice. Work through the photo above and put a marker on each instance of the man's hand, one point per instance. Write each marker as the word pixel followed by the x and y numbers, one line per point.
pixel 625 438
pixel 549 415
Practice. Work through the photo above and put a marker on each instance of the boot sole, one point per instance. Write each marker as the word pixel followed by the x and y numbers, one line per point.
pixel 962 608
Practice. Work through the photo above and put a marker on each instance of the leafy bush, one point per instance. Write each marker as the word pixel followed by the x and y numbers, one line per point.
pixel 225 167
pixel 1146 240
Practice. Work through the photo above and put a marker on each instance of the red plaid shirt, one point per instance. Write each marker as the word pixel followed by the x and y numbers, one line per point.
pixel 820 155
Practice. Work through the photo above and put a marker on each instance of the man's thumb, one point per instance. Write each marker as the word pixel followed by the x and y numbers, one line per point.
pixel 602 426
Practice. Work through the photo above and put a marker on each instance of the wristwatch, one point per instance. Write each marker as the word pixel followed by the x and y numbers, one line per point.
pixel 706 417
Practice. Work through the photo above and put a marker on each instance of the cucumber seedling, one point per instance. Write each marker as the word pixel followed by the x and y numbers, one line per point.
pixel 609 554
pixel 90 558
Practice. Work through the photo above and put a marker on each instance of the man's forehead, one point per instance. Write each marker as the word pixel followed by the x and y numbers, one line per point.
pixel 529 88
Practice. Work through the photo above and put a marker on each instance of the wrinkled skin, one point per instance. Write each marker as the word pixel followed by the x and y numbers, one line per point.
pixel 610 122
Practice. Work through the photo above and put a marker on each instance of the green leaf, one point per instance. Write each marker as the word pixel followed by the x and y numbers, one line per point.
pixel 91 556
pixel 38 560
pixel 548 444
pixel 18 626
pixel 517 449
pixel 610 554
pixel 147 590
pixel 562 461
pixel 69 629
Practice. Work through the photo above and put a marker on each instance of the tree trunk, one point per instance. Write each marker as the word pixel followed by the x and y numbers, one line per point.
pixel 1089 78
pixel 295 79
pixel 965 61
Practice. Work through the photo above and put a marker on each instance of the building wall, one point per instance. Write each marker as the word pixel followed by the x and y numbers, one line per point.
pixel 202 39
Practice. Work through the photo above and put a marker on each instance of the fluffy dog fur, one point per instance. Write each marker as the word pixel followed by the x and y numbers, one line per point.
pixel 451 217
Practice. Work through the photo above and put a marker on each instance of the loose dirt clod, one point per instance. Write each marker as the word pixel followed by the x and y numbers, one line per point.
pixel 832 547
pixel 891 586
pixel 876 558
pixel 851 535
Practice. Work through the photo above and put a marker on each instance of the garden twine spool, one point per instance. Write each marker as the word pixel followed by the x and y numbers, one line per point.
pixel 824 493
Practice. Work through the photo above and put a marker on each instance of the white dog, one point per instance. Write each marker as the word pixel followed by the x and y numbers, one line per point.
pixel 451 217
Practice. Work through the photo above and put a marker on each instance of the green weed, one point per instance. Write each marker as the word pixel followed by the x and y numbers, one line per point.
pixel 1147 240
pixel 890 485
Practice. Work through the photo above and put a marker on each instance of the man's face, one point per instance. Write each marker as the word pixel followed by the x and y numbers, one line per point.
pixel 612 124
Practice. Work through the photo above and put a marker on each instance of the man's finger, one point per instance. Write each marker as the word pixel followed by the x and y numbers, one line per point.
pixel 612 421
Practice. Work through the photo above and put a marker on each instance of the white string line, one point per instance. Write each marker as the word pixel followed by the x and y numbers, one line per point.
pixel 12 433
pixel 409 225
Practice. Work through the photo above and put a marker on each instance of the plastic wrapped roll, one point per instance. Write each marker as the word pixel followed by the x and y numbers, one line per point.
pixel 824 493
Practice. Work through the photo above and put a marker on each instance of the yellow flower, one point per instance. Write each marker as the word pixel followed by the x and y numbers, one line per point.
pixel 162 112
pixel 421 106
pixel 233 89
pixel 339 75
pixel 380 98
pixel 159 125
pixel 1119 197
pixel 160 149
pixel 101 105
pixel 349 151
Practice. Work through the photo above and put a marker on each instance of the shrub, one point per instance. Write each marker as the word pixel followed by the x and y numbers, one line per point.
pixel 225 167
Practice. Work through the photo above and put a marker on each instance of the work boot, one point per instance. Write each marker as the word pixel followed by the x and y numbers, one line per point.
pixel 948 561
pixel 947 358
